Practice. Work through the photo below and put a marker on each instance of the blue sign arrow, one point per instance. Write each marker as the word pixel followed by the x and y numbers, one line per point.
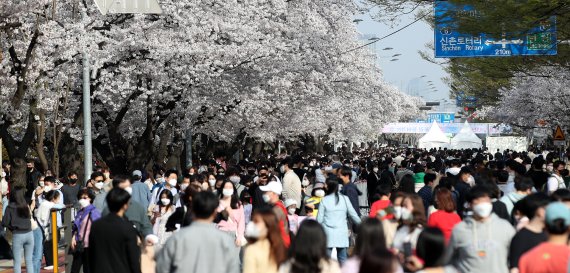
pixel 449 43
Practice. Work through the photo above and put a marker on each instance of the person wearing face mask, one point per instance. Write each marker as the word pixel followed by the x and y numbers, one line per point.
pixel 462 187
pixel 141 193
pixel 171 181
pixel 413 220
pixel 292 217
pixel 211 182
pixel 136 214
pixel 291 183
pixel 98 181
pixel 372 182
pixel 51 199
pixel 235 178
pixel 272 192
pixel 162 212
pixel 84 218
pixel 555 181
pixel 266 251
pixel 232 220
pixel 480 243
pixel 312 204
pixel 32 178
pixel 70 189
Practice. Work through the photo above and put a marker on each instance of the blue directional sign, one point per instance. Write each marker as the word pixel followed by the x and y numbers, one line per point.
pixel 441 117
pixel 449 43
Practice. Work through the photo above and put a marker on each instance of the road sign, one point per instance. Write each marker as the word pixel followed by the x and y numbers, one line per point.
pixel 449 43
pixel 128 6
pixel 445 117
pixel 559 134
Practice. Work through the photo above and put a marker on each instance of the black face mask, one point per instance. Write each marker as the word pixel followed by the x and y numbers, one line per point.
pixel 251 172
pixel 72 181
pixel 30 169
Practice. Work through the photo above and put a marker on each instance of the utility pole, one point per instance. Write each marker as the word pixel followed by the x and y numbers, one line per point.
pixel 87 148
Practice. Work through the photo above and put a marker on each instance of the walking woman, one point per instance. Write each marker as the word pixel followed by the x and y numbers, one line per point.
pixel 233 216
pixel 267 250
pixel 18 220
pixel 309 252
pixel 334 211
pixel 413 220
pixel 162 212
pixel 370 238
pixel 86 215
pixel 43 213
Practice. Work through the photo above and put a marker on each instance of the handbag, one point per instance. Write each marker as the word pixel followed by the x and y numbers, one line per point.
pixel 79 245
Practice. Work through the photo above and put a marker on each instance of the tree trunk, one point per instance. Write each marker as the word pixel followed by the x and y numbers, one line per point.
pixel 41 133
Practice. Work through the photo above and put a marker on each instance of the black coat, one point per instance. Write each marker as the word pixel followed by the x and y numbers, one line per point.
pixel 113 246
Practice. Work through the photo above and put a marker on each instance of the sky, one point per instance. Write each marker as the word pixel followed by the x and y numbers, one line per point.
pixel 406 73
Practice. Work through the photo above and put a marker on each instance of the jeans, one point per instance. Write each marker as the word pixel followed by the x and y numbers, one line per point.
pixel 341 254
pixel 38 249
pixel 23 242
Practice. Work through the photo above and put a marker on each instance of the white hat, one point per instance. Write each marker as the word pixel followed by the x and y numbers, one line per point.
pixel 290 202
pixel 273 186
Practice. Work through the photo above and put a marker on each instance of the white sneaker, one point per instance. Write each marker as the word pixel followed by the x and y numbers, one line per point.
pixel 48 267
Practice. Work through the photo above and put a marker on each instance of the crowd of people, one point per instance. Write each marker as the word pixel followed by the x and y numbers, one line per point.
pixel 382 211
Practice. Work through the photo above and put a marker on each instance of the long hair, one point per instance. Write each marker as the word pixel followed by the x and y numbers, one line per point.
pixel 169 196
pixel 370 237
pixel 308 248
pixel 332 187
pixel 234 202
pixel 419 212
pixel 17 197
pixel 378 261
pixel 278 251
pixel 407 184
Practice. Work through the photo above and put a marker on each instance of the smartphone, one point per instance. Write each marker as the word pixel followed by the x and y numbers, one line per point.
pixel 407 249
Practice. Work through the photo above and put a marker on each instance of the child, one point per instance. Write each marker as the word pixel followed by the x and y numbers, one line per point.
pixel 293 218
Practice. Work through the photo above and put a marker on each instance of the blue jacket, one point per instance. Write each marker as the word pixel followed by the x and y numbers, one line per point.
pixel 333 217
pixel 141 194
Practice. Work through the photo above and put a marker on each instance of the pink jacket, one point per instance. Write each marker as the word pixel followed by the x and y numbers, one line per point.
pixel 235 222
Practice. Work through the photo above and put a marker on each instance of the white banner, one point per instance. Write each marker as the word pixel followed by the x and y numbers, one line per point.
pixel 517 144
pixel 448 128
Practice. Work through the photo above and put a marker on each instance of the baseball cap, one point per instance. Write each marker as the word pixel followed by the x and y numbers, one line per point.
pixel 137 173
pixel 557 210
pixel 290 202
pixel 273 186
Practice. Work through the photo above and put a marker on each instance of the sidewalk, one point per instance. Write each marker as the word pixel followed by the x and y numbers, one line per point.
pixel 6 266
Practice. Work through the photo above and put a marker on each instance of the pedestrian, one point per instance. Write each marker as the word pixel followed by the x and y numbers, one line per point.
pixel 349 189
pixel 407 184
pixel 413 221
pixel 113 239
pixel 233 222
pixel 32 177
pixel 291 182
pixel 379 261
pixel 51 200
pixel 309 252
pixel 292 216
pixel 553 255
pixel 476 245
pixel 266 251
pixel 426 192
pixel 245 199
pixel 86 215
pixel 523 187
pixel 555 181
pixel 378 208
pixel 335 210
pixel 370 237
pixel 272 192
pixel 446 217
pixel 312 203
pixel 162 212
pixel 141 193
pixel 201 247
pixel 532 234
pixel 429 253
pixel 70 189
pixel 17 219
pixel 171 181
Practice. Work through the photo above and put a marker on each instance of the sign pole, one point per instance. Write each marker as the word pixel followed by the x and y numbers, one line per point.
pixel 87 152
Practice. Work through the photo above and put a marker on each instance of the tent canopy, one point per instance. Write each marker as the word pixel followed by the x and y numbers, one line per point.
pixel 466 139
pixel 435 138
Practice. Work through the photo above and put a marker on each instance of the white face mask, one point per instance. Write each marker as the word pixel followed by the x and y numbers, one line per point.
pixel 328 168
pixel 471 180
pixel 282 169
pixel 235 179
pixel 252 231
pixel 183 186
pixel 165 201
pixel 212 182
pixel 99 185
pixel 397 212
pixel 227 192
pixel 172 182
pixel 42 183
pixel 320 193
pixel 291 211
pixel 483 210
pixel 375 170
pixel 407 214
pixel 549 168
pixel 84 203
pixel 3 174
pixel 266 198
pixel 129 189
pixel 47 188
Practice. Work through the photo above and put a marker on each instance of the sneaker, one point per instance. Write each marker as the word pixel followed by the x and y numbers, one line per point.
pixel 48 267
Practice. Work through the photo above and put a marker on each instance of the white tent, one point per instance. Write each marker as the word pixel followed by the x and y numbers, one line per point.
pixel 466 139
pixel 435 138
